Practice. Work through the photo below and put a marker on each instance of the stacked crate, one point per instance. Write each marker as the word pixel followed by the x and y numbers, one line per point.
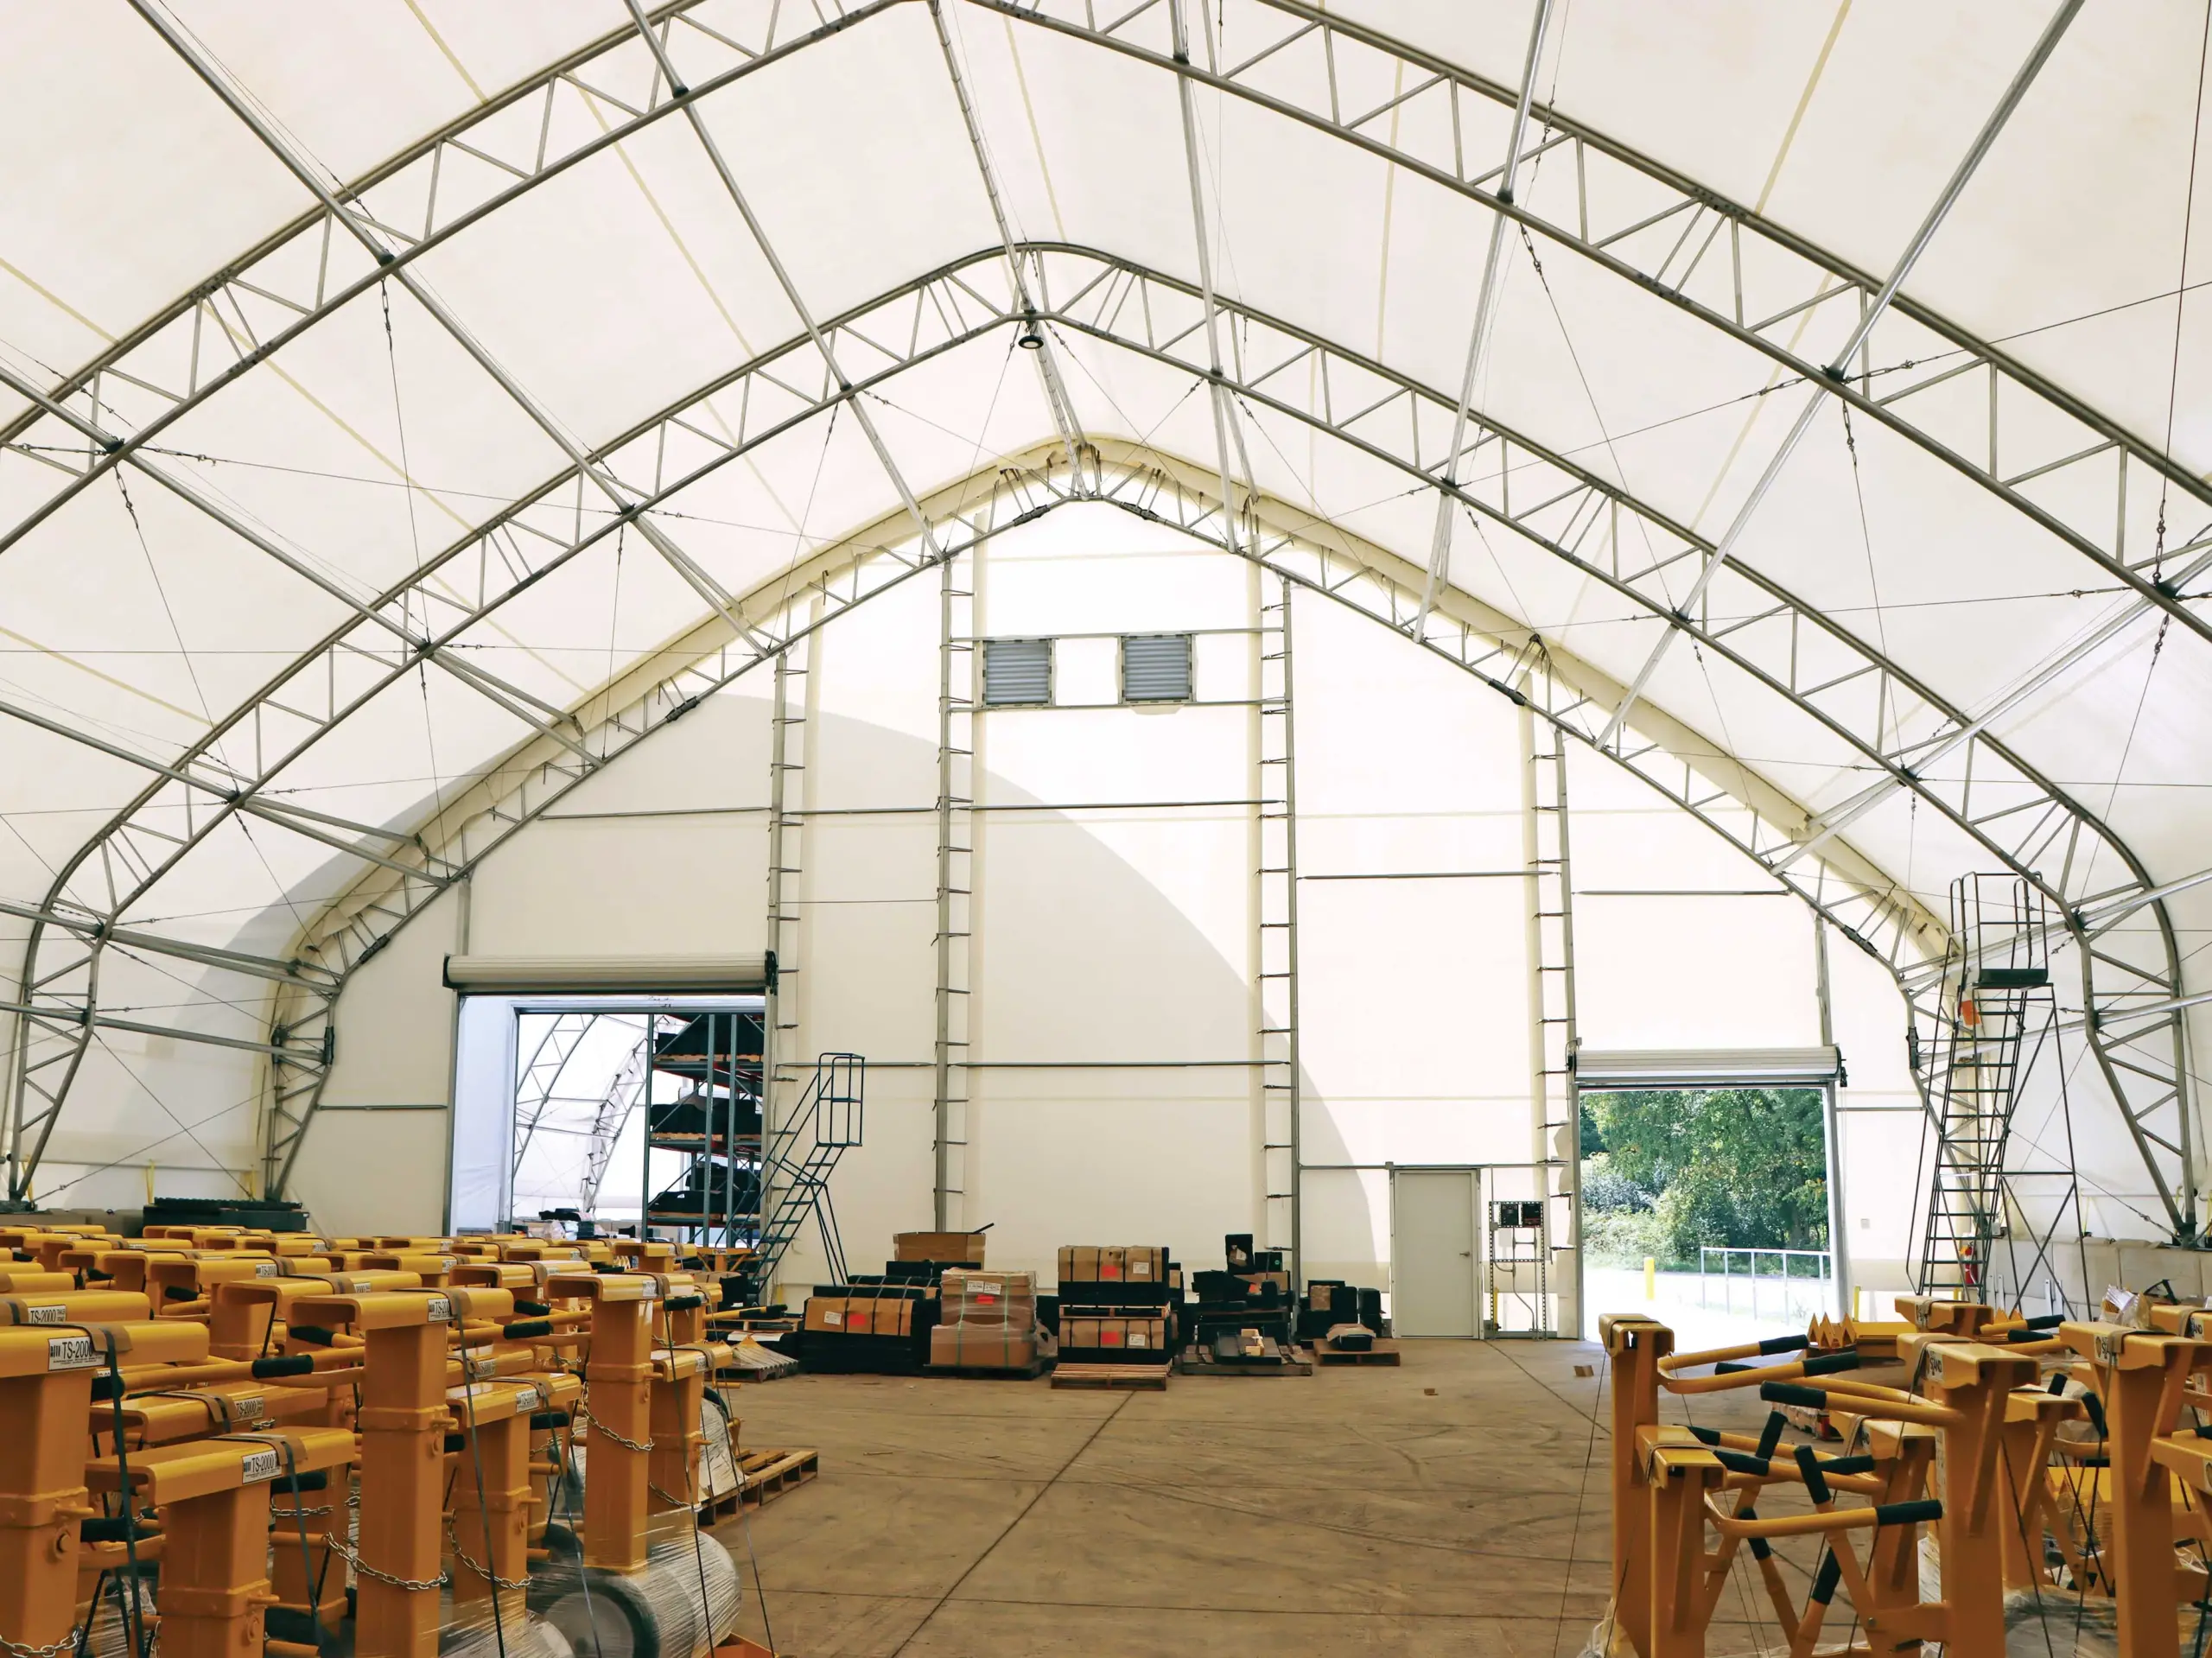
pixel 987 1321
pixel 1117 1303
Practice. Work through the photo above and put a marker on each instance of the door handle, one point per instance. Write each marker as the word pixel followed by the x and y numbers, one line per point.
pixel 1466 1255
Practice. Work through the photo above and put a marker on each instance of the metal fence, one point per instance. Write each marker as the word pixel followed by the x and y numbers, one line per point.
pixel 1796 1280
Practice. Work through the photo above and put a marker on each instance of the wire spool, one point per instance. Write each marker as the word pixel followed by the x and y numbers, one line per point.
pixel 110 1632
pixel 679 1606
pixel 472 1633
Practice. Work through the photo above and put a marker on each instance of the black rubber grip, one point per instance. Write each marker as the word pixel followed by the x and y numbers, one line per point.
pixel 1770 1435
pixel 313 1335
pixel 1706 1435
pixel 2056 1385
pixel 178 1293
pixel 532 1308
pixel 525 1329
pixel 317 1479
pixel 1848 1465
pixel 2047 1321
pixel 605 1267
pixel 1809 1464
pixel 1829 1363
pixel 113 1529
pixel 1742 1462
pixel 1760 1548
pixel 1731 1366
pixel 98 1277
pixel 24 1255
pixel 2013 1336
pixel 457 1442
pixel 290 1365
pixel 2095 1407
pixel 684 1302
pixel 1784 1343
pixel 548 1419
pixel 1924 1511
pixel 1788 1393
pixel 106 1389
pixel 1829 1575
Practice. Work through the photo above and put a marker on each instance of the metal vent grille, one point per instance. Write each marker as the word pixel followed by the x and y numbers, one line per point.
pixel 1156 668
pixel 1017 672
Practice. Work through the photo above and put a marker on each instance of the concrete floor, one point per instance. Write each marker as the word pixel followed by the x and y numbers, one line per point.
pixel 1457 1504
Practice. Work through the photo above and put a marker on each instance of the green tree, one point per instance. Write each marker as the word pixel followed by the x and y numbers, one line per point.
pixel 1745 1166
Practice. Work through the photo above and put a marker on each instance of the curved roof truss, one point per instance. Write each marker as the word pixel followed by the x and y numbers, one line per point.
pixel 1575 515
pixel 1688 252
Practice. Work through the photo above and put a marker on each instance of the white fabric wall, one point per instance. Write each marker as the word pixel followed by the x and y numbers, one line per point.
pixel 1125 933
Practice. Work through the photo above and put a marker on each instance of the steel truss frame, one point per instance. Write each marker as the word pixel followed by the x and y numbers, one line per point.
pixel 1573 514
pixel 1671 250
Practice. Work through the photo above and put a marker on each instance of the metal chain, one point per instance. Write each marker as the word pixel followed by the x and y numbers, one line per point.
pixel 483 1571
pixel 16 1650
pixel 583 1409
pixel 302 1513
pixel 352 1556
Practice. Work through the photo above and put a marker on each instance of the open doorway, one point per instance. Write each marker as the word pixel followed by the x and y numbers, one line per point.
pixel 1708 1208
pixel 583 1114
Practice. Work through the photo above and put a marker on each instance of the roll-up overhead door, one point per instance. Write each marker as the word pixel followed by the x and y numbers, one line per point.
pixel 570 974
pixel 1618 1067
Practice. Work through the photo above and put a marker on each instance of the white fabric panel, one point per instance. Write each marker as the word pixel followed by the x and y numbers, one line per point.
pixel 629 280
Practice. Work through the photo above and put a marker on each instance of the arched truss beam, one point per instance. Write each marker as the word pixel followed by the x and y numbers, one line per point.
pixel 541 1075
pixel 1743 809
pixel 631 1085
pixel 1681 242
pixel 1796 652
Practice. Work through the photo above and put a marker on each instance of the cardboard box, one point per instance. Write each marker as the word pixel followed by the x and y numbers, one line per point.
pixel 1144 1338
pixel 965 1247
pixel 826 1313
pixel 1110 1264
pixel 973 1348
pixel 995 1300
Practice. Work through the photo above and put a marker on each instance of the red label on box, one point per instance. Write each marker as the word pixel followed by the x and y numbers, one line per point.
pixel 1107 1269
pixel 1110 1339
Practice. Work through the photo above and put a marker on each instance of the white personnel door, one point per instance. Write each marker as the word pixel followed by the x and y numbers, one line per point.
pixel 1433 1289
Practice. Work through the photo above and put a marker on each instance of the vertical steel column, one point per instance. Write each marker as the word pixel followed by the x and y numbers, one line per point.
pixel 1275 906
pixel 781 1067
pixel 956 883
pixel 1556 1114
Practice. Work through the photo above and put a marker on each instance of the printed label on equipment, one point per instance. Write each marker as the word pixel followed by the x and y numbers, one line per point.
pixel 70 1353
pixel 53 1315
pixel 439 1311
pixel 1136 1338
pixel 837 1318
pixel 249 1408
pixel 264 1269
pixel 258 1465
pixel 1140 1269
pixel 525 1399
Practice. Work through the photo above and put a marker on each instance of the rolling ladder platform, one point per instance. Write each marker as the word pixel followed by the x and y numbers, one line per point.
pixel 1996 1014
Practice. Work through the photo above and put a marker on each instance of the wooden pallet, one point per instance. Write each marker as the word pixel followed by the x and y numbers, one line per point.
pixel 1384 1352
pixel 1150 1377
pixel 768 1475
pixel 1200 1360
pixel 1036 1367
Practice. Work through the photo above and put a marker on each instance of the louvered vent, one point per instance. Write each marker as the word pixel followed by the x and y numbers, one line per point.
pixel 1017 672
pixel 1156 668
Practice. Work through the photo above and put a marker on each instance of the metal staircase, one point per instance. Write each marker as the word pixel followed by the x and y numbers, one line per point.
pixel 801 1155
pixel 1995 1015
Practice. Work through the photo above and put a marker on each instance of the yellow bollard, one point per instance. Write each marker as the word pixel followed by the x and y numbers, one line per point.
pixel 1650 1278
